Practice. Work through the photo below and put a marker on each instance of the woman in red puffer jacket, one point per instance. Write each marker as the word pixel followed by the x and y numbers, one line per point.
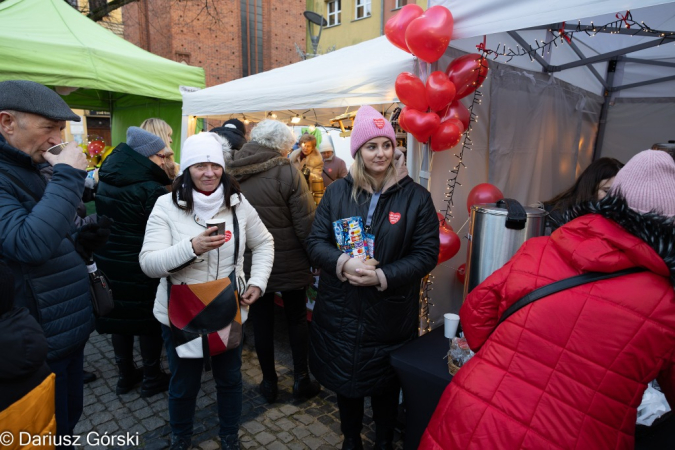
pixel 568 371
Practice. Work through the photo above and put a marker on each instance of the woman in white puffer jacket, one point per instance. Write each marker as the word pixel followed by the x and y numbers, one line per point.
pixel 178 245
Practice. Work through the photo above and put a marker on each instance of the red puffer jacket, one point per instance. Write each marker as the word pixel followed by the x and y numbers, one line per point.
pixel 569 370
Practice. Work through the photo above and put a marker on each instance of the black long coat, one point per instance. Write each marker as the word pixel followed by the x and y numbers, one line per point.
pixel 355 328
pixel 129 185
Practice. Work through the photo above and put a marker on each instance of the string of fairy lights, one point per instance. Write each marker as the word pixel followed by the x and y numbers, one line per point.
pixel 467 144
pixel 562 36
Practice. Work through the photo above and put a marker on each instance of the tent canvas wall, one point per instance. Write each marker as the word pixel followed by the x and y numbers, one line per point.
pixel 535 131
pixel 50 42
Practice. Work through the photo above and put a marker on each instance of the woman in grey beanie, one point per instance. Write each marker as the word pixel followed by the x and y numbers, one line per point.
pixel 131 180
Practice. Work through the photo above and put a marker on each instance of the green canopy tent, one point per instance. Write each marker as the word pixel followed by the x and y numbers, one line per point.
pixel 49 42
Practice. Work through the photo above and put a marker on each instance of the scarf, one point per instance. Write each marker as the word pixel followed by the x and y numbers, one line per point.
pixel 207 206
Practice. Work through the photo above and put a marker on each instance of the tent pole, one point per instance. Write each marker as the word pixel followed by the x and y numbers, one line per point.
pixel 610 55
pixel 602 123
pixel 643 83
pixel 183 129
pixel 590 67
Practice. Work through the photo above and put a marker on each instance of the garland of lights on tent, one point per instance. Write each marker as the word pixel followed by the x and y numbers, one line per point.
pixel 623 21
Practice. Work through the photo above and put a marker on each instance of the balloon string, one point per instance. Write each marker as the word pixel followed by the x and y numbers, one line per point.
pixel 462 227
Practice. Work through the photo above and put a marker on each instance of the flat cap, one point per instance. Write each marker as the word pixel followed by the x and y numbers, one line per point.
pixel 31 97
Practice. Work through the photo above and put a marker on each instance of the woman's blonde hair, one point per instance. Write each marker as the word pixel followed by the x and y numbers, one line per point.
pixel 362 179
pixel 160 128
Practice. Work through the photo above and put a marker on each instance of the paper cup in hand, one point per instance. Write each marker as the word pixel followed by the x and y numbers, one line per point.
pixel 220 223
pixel 451 324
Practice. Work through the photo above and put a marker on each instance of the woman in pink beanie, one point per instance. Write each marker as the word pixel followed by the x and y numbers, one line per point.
pixel 364 310
pixel 569 370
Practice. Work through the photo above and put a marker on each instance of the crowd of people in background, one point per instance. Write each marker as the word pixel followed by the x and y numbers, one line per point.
pixel 556 374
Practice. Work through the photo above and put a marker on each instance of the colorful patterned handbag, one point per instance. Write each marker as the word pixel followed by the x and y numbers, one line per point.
pixel 205 317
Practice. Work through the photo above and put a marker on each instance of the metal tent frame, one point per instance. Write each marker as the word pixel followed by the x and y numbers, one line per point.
pixel 614 58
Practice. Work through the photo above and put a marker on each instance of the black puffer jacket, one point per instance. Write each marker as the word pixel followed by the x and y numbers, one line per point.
pixel 355 328
pixel 51 277
pixel 279 194
pixel 129 185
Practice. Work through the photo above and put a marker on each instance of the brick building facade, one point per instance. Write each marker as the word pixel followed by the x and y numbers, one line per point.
pixel 228 38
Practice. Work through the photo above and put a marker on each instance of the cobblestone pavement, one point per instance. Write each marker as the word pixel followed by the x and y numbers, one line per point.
pixel 286 424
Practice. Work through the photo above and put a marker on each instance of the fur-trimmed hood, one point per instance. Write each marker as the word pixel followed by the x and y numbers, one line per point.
pixel 654 230
pixel 253 158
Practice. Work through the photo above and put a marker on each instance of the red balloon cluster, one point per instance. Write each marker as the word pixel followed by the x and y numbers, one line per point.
pixel 450 242
pixel 483 193
pixel 432 110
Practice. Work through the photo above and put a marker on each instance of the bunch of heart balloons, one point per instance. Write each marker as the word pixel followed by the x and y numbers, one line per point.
pixel 433 110
pixel 450 242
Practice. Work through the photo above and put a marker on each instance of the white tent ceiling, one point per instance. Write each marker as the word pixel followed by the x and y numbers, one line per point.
pixel 365 73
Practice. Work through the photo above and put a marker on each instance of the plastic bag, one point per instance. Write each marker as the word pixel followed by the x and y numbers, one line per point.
pixel 653 406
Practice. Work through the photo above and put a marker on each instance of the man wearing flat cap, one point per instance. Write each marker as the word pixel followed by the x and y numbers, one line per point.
pixel 36 220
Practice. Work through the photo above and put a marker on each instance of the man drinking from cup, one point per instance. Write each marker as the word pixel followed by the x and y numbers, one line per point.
pixel 35 220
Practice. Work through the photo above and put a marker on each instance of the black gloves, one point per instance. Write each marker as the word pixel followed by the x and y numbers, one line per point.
pixel 92 236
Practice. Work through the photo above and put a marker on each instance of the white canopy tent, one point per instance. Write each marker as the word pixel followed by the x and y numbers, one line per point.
pixel 541 127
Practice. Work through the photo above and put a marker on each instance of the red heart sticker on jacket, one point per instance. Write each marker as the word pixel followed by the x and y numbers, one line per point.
pixel 394 217
pixel 379 123
pixel 228 236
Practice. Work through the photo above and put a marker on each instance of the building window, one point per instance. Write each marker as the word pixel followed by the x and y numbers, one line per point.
pixel 362 9
pixel 401 3
pixel 334 12
pixel 251 37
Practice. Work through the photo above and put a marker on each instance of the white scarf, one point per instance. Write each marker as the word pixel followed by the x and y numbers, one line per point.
pixel 206 206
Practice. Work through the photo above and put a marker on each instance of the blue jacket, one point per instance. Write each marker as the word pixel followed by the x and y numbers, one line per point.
pixel 51 278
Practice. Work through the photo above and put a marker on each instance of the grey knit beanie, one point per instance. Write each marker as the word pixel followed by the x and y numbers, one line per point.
pixel 144 142
pixel 31 97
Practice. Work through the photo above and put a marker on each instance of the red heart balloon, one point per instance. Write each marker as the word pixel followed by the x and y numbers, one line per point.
pixel 461 273
pixel 456 110
pixel 428 36
pixel 440 90
pixel 410 91
pixel 395 27
pixel 420 124
pixel 483 193
pixel 450 244
pixel 468 73
pixel 447 135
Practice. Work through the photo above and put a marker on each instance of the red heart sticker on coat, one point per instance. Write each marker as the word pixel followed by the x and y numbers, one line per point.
pixel 379 123
pixel 394 217
pixel 228 236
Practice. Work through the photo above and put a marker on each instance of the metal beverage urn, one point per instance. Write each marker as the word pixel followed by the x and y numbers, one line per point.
pixel 497 231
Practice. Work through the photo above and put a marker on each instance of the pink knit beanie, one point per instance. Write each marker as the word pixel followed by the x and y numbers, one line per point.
pixel 370 124
pixel 647 182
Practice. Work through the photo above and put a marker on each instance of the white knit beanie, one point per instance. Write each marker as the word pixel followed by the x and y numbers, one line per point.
pixel 201 148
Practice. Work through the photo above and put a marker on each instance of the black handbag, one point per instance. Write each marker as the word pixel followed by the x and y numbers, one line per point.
pixel 101 295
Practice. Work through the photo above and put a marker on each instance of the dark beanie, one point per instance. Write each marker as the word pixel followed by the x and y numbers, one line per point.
pixel 6 288
pixel 234 131
pixel 238 124
pixel 144 142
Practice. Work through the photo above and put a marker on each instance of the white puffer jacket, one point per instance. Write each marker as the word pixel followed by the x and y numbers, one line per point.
pixel 167 246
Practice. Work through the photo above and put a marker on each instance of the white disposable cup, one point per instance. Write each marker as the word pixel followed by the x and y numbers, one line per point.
pixel 451 324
